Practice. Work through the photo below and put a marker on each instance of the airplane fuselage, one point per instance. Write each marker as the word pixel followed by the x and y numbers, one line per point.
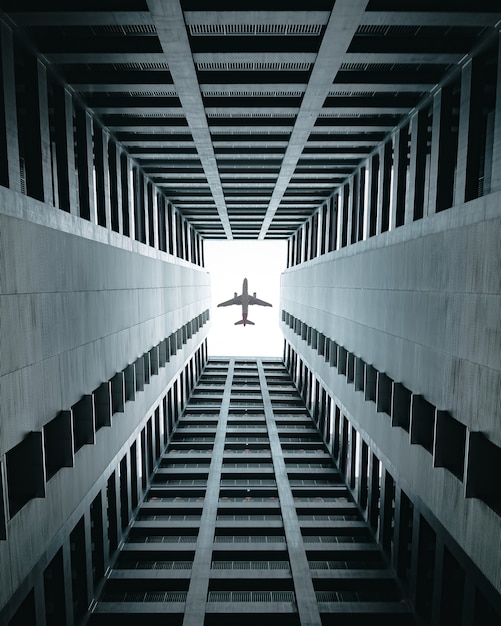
pixel 245 301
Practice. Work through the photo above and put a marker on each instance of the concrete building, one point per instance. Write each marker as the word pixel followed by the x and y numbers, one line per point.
pixel 366 134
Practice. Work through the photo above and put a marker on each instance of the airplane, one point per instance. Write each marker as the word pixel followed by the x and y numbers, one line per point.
pixel 244 299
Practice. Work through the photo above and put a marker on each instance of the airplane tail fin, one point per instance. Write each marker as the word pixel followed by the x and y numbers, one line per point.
pixel 246 322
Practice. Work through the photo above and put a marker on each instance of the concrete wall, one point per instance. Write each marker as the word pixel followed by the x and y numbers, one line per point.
pixel 78 303
pixel 421 303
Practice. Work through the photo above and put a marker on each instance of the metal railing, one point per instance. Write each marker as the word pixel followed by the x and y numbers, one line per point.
pixel 247 565
pixel 250 596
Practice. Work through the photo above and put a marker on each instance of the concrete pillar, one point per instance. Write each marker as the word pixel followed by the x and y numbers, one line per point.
pixel 370 224
pixel 115 187
pixel 351 227
pixel 399 179
pixel 65 149
pixel 442 158
pixel 125 208
pixel 10 172
pixel 85 165
pixel 361 204
pixel 414 204
pixel 37 148
pixel 344 214
pixel 384 189
pixel 103 204
pixel 470 145
pixel 495 169
pixel 153 215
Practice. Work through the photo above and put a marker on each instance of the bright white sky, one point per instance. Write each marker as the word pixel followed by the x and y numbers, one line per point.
pixel 261 262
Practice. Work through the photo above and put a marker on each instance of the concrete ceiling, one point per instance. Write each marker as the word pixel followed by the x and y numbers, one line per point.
pixel 248 118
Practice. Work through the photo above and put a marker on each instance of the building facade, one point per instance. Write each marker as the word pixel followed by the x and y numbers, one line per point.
pixel 367 134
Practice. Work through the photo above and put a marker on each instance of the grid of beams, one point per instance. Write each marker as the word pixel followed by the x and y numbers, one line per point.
pixel 250 119
pixel 247 518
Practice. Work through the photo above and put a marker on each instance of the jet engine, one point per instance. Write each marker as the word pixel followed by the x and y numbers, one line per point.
pixel 254 294
pixel 235 296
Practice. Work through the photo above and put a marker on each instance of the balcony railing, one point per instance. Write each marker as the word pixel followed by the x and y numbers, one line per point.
pixel 250 596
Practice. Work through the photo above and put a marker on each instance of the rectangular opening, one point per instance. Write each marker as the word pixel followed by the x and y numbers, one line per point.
pixel 102 405
pixel 321 344
pixel 147 368
pixel 304 331
pixel 124 493
pixel 154 361
pixel 350 368
pixel 333 354
pixel 425 573
pixel 173 344
pixel 118 393
pixel 359 374
pixel 483 464
pixel 79 570
pixel 97 538
pixel 58 443
pixel 450 444
pixel 370 383
pixel 422 429
pixel 139 367
pixel 54 591
pixel 25 472
pixel 383 394
pixel 130 383
pixel 327 350
pixel 162 353
pixel 342 361
pixel 401 406
pixel 83 413
pixel 112 513
pixel 133 475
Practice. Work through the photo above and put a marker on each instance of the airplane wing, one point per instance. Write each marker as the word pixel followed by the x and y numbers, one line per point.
pixel 237 300
pixel 253 300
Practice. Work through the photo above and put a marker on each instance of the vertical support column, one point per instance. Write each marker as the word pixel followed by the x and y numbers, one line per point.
pixel 115 187
pixel 194 613
pixel 495 169
pixel 65 149
pixel 361 204
pixel 140 229
pixel 414 205
pixel 178 236
pixel 85 165
pixel 397 212
pixel 144 203
pixel 186 232
pixel 170 229
pixel 351 219
pixel 68 588
pixel 470 133
pixel 306 601
pixel 333 217
pixel 10 172
pixel 153 217
pixel 346 195
pixel 102 177
pixel 127 205
pixel 36 144
pixel 383 205
pixel 370 224
pixel 442 159
pixel 326 226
